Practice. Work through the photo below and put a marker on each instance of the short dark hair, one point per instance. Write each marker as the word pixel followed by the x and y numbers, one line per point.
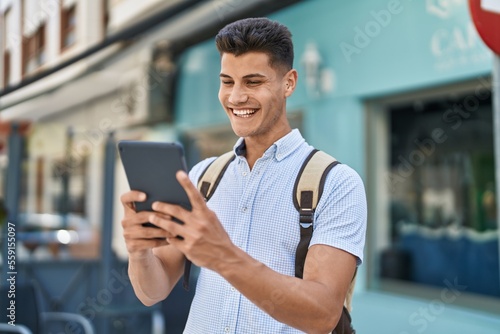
pixel 259 35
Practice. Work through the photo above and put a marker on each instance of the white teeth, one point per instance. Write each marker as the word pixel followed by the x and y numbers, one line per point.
pixel 243 112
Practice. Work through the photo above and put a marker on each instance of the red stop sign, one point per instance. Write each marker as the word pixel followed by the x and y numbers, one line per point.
pixel 486 17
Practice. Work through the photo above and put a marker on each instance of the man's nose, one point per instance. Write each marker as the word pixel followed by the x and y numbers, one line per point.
pixel 238 95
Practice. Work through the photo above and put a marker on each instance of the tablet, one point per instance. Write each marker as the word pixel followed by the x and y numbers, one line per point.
pixel 150 168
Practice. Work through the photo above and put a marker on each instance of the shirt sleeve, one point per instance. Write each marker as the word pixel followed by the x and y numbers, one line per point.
pixel 341 214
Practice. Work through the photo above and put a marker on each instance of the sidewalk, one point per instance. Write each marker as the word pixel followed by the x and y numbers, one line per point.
pixel 383 313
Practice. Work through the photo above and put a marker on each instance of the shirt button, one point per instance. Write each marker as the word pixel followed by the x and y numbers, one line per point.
pixel 233 288
pixel 244 209
pixel 244 173
pixel 226 329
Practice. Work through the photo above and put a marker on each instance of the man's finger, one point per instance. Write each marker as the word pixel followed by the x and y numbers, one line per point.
pixel 129 198
pixel 172 228
pixel 195 198
pixel 136 218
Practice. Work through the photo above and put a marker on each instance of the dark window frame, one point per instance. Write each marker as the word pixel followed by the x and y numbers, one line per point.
pixel 34 50
pixel 68 26
pixel 6 53
pixel 105 17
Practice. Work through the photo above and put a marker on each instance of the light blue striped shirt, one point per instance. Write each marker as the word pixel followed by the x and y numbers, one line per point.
pixel 256 209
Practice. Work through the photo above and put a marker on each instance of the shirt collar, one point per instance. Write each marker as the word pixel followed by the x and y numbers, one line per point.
pixel 280 149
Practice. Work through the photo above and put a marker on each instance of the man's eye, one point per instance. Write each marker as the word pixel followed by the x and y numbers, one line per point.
pixel 227 83
pixel 253 82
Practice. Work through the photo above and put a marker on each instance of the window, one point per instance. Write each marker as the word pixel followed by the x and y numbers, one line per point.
pixel 7 21
pixel 33 26
pixel 105 17
pixel 34 50
pixel 441 188
pixel 68 27
pixel 6 68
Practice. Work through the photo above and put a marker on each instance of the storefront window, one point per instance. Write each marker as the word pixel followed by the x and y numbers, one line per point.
pixel 53 220
pixel 443 215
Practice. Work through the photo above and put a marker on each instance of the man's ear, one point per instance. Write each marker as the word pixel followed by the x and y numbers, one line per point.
pixel 290 81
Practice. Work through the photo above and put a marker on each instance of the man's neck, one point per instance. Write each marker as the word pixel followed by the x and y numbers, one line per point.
pixel 255 147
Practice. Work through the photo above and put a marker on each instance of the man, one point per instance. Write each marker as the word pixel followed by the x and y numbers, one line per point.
pixel 244 238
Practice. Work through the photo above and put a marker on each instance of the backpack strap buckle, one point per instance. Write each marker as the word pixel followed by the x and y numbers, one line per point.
pixel 306 217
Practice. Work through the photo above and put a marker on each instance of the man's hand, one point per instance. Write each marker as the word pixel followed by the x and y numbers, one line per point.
pixel 204 240
pixel 138 238
pixel 154 267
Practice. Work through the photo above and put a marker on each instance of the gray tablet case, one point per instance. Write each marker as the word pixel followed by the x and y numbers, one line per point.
pixel 151 167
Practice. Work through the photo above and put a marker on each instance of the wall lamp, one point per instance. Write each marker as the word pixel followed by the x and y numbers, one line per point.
pixel 320 80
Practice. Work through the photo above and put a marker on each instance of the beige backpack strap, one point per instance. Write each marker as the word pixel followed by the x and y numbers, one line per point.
pixel 312 178
pixel 307 192
pixel 210 178
pixel 350 291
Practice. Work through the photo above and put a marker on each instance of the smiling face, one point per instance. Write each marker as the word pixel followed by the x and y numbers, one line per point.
pixel 254 94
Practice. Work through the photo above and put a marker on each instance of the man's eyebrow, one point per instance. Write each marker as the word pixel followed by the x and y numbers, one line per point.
pixel 254 75
pixel 248 76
